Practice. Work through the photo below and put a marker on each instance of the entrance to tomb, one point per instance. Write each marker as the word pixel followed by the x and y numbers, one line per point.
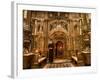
pixel 59 53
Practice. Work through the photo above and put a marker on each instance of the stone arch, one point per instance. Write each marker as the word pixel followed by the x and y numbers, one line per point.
pixel 59 34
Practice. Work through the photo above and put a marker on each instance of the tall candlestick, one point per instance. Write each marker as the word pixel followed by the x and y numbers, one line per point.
pixel 80 27
pixel 35 26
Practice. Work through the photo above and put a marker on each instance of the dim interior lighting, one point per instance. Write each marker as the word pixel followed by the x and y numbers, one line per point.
pixel 60 47
pixel 37 51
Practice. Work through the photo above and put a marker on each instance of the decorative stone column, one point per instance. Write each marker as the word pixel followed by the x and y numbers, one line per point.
pixel 45 30
pixel 34 31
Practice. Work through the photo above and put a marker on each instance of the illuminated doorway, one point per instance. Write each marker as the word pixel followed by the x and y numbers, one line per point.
pixel 59 49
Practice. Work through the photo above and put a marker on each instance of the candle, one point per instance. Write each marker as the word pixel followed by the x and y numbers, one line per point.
pixel 80 27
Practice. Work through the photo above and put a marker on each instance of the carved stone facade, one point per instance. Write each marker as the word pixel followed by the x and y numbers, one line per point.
pixel 69 31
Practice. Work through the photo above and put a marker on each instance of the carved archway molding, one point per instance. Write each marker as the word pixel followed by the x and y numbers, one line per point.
pixel 59 34
pixel 53 21
pixel 59 31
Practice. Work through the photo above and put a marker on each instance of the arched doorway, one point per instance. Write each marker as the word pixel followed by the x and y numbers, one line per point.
pixel 59 53
pixel 59 38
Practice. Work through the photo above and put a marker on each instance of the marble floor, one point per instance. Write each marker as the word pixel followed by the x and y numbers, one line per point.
pixel 59 63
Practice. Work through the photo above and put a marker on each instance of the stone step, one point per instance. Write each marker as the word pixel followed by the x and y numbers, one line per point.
pixel 59 65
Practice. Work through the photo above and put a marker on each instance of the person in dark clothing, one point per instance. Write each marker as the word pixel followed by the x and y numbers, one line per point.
pixel 51 51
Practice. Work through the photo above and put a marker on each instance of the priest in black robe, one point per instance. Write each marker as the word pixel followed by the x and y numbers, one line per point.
pixel 51 51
